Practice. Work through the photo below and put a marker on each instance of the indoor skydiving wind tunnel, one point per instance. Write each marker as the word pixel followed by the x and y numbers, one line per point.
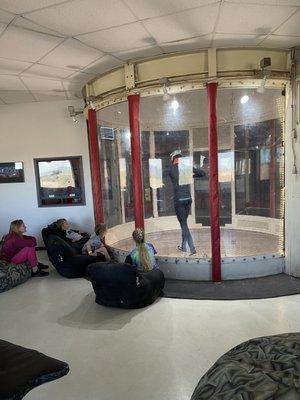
pixel 250 177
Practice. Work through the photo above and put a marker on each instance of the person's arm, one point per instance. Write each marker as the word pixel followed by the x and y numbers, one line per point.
pixel 198 173
pixel 89 248
pixel 153 248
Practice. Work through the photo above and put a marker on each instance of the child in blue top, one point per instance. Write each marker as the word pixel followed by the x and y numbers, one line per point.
pixel 95 244
pixel 143 256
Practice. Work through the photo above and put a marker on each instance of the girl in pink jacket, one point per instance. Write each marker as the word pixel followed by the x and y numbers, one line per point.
pixel 18 248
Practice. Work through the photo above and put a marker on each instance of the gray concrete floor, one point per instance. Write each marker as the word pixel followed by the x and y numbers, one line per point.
pixel 156 353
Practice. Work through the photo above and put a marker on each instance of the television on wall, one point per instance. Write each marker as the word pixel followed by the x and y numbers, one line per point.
pixel 59 181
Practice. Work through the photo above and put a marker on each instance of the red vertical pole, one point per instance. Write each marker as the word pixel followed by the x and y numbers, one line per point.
pixel 134 115
pixel 272 167
pixel 214 182
pixel 95 166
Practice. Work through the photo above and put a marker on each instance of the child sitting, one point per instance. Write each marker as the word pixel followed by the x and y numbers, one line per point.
pixel 143 256
pixel 95 244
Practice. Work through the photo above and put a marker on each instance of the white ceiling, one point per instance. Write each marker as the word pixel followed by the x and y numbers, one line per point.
pixel 50 48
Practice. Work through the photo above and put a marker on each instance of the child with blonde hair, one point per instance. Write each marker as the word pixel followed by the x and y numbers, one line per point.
pixel 143 256
pixel 95 244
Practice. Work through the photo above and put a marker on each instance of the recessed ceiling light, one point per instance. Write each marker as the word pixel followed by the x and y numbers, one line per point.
pixel 174 105
pixel 244 99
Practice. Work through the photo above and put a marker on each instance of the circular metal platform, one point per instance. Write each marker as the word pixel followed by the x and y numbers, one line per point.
pixel 245 254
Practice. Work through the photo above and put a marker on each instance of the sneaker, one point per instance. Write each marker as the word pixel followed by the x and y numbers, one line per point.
pixel 181 249
pixel 193 253
pixel 42 266
pixel 39 273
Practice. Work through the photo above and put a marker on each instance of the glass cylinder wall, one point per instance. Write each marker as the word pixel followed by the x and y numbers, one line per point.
pixel 250 159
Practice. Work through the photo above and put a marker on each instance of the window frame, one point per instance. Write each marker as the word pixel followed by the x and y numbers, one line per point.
pixel 38 181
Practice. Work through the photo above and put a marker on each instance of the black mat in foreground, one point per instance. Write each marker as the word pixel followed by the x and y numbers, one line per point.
pixel 256 288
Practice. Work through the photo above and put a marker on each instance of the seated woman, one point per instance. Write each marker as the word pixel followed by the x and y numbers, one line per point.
pixel 19 248
pixel 143 256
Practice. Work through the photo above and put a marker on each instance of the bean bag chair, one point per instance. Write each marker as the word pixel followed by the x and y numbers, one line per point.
pixel 12 275
pixel 66 260
pixel 52 229
pixel 23 369
pixel 265 368
pixel 120 285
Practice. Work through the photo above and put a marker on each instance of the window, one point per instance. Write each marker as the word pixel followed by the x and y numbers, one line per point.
pixel 59 181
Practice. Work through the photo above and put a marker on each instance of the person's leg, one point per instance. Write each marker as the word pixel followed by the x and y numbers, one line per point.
pixel 180 214
pixel 187 231
pixel 27 254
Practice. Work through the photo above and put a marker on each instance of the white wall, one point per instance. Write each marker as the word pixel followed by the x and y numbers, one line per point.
pixel 35 130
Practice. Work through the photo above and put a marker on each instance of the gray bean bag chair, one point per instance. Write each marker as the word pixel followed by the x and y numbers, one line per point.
pixel 265 368
pixel 23 369
pixel 120 285
pixel 12 275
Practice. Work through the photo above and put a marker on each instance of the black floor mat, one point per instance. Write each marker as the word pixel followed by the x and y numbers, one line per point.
pixel 256 288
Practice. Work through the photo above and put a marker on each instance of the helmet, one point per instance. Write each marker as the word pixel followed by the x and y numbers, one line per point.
pixel 175 153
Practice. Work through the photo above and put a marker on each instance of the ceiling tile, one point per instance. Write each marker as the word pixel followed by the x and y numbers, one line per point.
pixel 228 40
pixel 80 76
pixel 50 96
pixel 21 6
pixel 41 84
pixel 12 67
pixel 188 44
pixel 120 38
pixel 281 41
pixel 268 2
pixel 184 25
pixel 72 85
pixel 81 16
pixel 6 16
pixel 15 96
pixel 105 63
pixel 11 82
pixel 251 19
pixel 71 54
pixel 73 88
pixel 2 27
pixel 46 71
pixel 134 54
pixel 25 45
pixel 155 8
pixel 290 27
pixel 25 23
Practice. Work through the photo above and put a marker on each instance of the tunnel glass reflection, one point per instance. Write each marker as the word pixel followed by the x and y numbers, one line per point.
pixel 250 160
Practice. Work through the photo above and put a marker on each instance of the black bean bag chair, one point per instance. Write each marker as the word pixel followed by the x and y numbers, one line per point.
pixel 264 368
pixel 66 260
pixel 12 275
pixel 23 369
pixel 120 285
pixel 52 229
